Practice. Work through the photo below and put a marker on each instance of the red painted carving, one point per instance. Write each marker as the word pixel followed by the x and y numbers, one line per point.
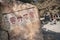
pixel 31 14
pixel 19 19
pixel 12 20
pixel 25 16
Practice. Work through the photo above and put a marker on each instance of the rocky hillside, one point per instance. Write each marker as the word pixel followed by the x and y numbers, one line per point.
pixel 51 6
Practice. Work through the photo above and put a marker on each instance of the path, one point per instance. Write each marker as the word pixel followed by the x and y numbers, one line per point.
pixel 55 27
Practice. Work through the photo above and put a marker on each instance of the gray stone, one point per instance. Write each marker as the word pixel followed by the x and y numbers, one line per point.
pixel 3 35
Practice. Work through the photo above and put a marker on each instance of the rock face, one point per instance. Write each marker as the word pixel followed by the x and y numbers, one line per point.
pixel 21 21
pixel 3 35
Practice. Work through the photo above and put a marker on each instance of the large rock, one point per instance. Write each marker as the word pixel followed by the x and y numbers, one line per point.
pixel 22 22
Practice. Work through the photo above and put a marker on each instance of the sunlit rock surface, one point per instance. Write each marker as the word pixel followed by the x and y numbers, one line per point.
pixel 21 21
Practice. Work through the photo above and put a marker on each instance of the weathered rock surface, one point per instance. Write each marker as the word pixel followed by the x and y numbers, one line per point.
pixel 21 21
pixel 3 35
